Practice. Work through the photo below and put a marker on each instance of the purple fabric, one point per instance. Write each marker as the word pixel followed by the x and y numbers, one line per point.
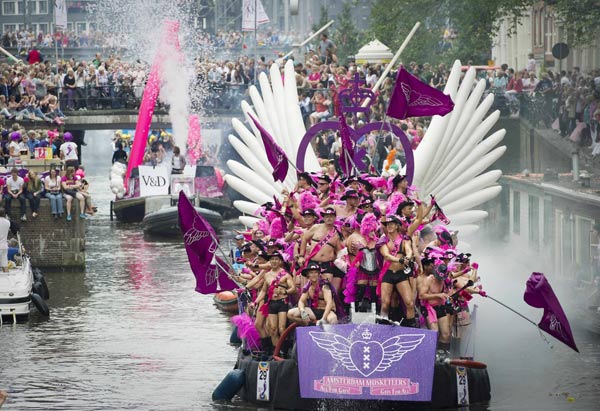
pixel 199 239
pixel 347 148
pixel 539 294
pixel 413 98
pixel 275 154
pixel 366 361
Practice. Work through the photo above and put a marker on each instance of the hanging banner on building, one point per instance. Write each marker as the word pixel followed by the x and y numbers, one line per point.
pixel 249 19
pixel 60 14
pixel 154 181
pixel 366 361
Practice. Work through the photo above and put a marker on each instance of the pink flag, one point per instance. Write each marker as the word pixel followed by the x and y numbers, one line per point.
pixel 539 294
pixel 347 155
pixel 275 154
pixel 200 244
pixel 413 98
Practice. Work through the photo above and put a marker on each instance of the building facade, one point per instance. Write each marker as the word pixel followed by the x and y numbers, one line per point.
pixel 537 32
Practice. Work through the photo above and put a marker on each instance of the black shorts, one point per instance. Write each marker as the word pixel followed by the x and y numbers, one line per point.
pixel 440 310
pixel 394 277
pixel 72 163
pixel 318 313
pixel 327 267
pixel 278 306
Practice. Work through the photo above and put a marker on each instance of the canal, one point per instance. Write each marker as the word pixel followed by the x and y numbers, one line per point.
pixel 130 333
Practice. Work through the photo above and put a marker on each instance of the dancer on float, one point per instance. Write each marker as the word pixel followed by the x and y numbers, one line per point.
pixel 278 284
pixel 396 270
pixel 328 243
pixel 352 199
pixel 317 303
pixel 362 263
pixel 434 295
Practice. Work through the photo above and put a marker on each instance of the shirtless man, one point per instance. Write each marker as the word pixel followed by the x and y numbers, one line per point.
pixel 327 241
pixel 394 251
pixel 324 189
pixel 351 207
pixel 278 284
pixel 434 293
pixel 316 302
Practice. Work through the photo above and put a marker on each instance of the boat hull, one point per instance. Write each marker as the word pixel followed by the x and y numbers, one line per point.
pixel 15 291
pixel 226 301
pixel 129 210
pixel 165 222
pixel 287 396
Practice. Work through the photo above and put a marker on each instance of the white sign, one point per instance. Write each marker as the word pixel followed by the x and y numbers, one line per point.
pixel 60 13
pixel 154 181
pixel 262 381
pixel 249 19
pixel 182 183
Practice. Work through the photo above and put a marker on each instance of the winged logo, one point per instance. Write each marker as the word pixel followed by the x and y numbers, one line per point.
pixel 369 356
pixel 414 98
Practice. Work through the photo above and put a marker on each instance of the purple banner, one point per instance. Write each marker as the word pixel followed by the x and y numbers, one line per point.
pixel 366 361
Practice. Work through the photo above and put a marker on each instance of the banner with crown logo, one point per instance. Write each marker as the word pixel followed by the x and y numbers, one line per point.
pixel 366 361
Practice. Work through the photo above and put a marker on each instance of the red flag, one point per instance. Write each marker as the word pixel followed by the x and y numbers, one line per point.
pixel 200 244
pixel 539 294
pixel 275 154
pixel 413 98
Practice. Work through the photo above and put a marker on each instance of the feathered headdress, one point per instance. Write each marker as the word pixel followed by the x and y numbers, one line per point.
pixel 369 226
pixel 391 157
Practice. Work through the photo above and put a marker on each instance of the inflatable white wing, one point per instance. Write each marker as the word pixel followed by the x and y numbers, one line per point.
pixel 450 160
pixel 278 111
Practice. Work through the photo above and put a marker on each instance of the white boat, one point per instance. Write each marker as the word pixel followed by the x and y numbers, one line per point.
pixel 20 290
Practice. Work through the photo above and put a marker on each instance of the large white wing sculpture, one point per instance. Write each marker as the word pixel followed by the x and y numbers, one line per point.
pixel 449 163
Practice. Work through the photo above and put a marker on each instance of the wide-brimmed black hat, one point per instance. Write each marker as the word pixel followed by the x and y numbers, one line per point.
pixel 350 193
pixel 310 211
pixel 260 244
pixel 310 267
pixel 273 243
pixel 366 201
pixel 306 176
pixel 328 211
pixel 325 178
pixel 440 272
pixel 398 179
pixel 391 219
pixel 463 257
pixel 352 179
pixel 276 254
pixel 404 204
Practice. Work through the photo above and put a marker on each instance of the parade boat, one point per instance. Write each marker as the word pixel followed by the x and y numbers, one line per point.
pixel 21 289
pixel 388 364
pixel 161 218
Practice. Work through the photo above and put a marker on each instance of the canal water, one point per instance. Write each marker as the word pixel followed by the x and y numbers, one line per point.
pixel 130 333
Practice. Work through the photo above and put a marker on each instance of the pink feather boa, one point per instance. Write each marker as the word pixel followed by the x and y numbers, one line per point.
pixel 247 330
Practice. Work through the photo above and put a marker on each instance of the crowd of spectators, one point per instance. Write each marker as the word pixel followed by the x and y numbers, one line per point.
pixel 25 39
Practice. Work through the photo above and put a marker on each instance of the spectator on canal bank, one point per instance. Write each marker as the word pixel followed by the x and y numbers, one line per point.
pixel 68 151
pixel 33 192
pixel 14 191
pixel 52 185
pixel 71 186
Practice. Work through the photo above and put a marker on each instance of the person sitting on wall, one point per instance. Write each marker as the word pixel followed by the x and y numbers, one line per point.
pixel 14 191
pixel 33 192
pixel 52 186
pixel 71 187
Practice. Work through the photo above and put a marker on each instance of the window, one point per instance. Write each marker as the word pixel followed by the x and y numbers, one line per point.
pixel 567 246
pixel 583 244
pixel 9 8
pixel 9 28
pixel 548 238
pixel 516 212
pixel 80 27
pixel 38 6
pixel 534 222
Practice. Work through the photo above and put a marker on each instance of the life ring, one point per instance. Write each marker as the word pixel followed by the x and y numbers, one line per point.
pixel 459 362
pixel 227 301
pixel 40 287
pixel 40 304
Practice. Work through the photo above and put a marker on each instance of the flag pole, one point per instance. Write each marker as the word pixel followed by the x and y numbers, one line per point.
pixel 392 63
pixel 514 311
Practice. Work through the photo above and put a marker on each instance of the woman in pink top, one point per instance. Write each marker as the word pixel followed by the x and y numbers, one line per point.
pixel 71 186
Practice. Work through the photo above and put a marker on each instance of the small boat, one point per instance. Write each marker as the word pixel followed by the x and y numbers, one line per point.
pixel 129 209
pixel 22 288
pixel 226 301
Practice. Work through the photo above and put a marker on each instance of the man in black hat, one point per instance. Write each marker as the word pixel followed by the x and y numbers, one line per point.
pixel 434 295
pixel 395 251
pixel 352 199
pixel 316 302
pixel 277 285
pixel 328 242
pixel 323 189
pixel 305 182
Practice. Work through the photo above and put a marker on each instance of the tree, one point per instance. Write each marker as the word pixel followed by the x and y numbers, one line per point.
pixel 474 23
pixel 323 20
pixel 579 18
pixel 346 36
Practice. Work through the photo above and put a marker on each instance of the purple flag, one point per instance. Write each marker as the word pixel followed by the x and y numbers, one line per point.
pixel 275 154
pixel 200 244
pixel 366 361
pixel 413 98
pixel 347 147
pixel 539 294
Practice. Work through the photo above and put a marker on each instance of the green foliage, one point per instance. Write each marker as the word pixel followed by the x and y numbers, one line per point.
pixel 474 22
pixel 346 36
pixel 579 18
pixel 323 20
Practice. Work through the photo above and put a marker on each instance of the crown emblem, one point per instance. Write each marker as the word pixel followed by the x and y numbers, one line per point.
pixel 352 98
pixel 366 334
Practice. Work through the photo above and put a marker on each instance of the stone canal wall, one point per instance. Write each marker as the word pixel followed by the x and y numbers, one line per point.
pixel 55 244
